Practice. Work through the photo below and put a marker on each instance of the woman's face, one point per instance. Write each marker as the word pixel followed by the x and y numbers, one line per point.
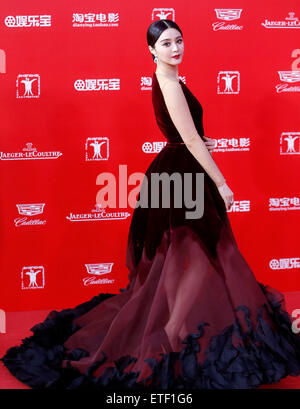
pixel 169 44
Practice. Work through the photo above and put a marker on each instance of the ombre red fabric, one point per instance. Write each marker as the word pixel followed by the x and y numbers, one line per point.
pixel 193 314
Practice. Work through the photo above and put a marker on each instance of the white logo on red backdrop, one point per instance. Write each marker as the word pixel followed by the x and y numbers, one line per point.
pixel 284 203
pixel 163 13
pixel 97 149
pixel 32 277
pixel 240 206
pixel 232 144
pixel 95 19
pixel 284 263
pixel 28 86
pixel 97 270
pixel 153 147
pixel 290 143
pixel 97 84
pixel 289 77
pixel 290 22
pixel 228 82
pixel 146 83
pixel 30 210
pixel 227 15
pixel 30 153
pixel 97 214
pixel 28 21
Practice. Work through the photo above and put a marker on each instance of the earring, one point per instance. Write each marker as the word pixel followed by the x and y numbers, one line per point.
pixel 155 60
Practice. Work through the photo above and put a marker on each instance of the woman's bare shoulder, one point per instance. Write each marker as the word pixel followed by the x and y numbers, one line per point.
pixel 163 81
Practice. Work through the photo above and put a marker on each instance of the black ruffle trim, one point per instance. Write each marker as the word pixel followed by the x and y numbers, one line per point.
pixel 263 357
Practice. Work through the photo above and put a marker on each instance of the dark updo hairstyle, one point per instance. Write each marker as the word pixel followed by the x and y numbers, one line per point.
pixel 156 28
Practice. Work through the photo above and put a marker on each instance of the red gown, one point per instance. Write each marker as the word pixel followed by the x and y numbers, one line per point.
pixel 193 315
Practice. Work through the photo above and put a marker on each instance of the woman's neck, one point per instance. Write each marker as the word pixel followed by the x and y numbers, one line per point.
pixel 167 73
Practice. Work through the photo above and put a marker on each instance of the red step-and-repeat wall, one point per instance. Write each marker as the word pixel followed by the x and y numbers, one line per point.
pixel 76 102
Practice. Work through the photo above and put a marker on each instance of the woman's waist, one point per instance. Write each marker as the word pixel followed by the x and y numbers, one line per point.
pixel 174 144
pixel 177 143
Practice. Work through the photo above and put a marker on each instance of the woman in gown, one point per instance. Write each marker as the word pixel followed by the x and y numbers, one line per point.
pixel 193 315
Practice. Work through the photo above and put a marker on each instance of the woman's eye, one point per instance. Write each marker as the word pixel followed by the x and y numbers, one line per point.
pixel 169 42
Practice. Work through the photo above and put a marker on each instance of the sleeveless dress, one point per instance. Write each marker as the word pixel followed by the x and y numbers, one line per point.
pixel 193 315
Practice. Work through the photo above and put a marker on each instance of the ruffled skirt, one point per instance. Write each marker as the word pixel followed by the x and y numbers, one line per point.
pixel 192 316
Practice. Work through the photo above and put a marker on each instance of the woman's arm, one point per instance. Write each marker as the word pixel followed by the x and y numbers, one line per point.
pixel 209 143
pixel 181 116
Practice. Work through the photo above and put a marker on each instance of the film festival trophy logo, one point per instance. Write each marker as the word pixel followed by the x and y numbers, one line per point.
pixel 26 82
pixel 228 82
pixel 96 149
pixel 32 277
pixel 290 143
pixel 163 13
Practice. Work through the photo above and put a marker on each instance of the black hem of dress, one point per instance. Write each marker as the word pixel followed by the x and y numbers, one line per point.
pixel 264 358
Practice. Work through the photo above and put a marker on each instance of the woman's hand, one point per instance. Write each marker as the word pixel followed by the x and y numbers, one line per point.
pixel 224 189
pixel 227 195
pixel 210 143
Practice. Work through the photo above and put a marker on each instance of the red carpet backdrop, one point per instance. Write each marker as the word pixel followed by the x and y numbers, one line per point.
pixel 76 103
